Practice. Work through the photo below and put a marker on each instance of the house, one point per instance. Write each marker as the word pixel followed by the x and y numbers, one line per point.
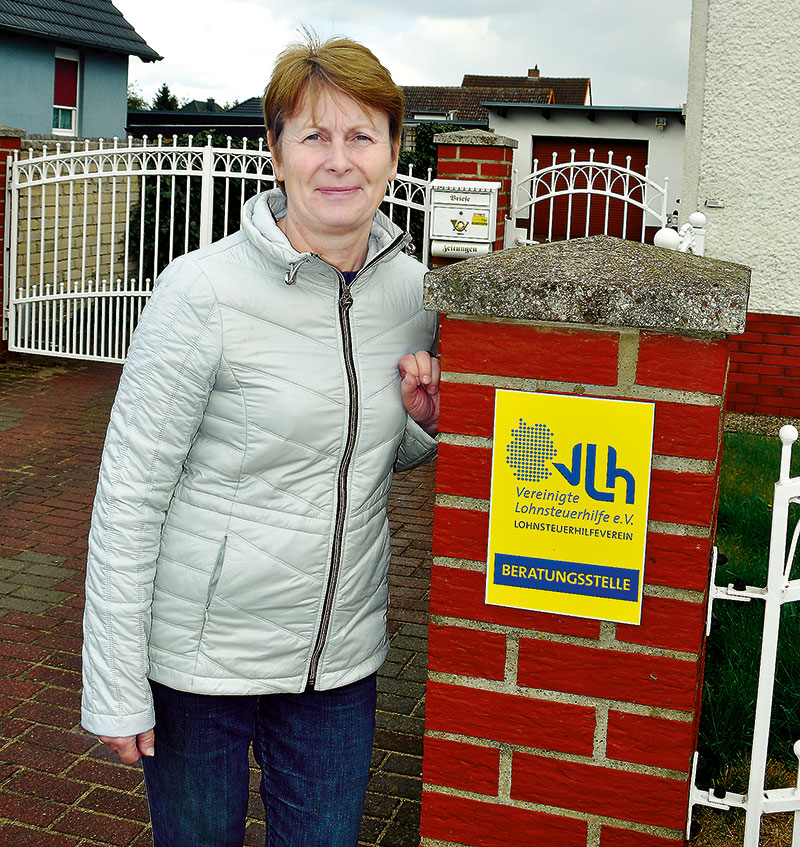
pixel 65 66
pixel 648 140
pixel 741 170
pixel 465 104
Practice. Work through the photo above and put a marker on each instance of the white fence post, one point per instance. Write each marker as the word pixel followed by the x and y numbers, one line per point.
pixel 207 195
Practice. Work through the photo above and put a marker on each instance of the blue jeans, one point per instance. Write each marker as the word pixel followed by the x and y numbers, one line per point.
pixel 314 750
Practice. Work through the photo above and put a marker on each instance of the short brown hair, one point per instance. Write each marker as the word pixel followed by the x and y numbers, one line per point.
pixel 340 63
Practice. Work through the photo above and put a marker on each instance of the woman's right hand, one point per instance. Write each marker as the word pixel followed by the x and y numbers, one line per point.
pixel 131 748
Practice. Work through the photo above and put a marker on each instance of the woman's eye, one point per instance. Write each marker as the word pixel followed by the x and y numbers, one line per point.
pixel 314 136
pixel 362 137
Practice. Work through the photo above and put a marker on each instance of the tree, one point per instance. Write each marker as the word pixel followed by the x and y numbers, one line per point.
pixel 135 99
pixel 165 100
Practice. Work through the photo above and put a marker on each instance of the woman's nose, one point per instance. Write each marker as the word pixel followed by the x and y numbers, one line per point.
pixel 338 155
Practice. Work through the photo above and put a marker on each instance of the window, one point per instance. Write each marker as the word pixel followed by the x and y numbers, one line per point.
pixel 65 92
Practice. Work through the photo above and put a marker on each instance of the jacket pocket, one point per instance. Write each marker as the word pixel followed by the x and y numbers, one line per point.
pixel 215 573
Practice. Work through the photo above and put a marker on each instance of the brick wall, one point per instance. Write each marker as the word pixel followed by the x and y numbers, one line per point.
pixel 765 367
pixel 548 729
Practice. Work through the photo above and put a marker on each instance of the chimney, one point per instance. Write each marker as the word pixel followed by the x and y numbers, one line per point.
pixel 210 104
pixel 533 73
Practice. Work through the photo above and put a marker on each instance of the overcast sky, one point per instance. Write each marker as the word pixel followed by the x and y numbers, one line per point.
pixel 635 51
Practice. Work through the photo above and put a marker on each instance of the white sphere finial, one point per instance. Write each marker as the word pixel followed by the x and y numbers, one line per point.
pixel 668 238
pixel 788 435
pixel 697 220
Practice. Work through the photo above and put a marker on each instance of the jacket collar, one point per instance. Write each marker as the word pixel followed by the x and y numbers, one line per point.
pixel 259 223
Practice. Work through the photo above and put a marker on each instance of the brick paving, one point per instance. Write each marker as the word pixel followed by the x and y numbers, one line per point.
pixel 58 786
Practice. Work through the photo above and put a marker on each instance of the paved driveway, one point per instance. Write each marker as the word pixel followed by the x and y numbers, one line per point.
pixel 58 787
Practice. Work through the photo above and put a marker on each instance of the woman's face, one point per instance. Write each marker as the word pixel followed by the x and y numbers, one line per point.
pixel 335 158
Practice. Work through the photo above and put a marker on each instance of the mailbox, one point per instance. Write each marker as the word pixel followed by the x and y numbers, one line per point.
pixel 463 217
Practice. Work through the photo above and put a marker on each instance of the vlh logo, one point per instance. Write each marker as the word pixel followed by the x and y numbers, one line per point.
pixel 613 473
pixel 531 453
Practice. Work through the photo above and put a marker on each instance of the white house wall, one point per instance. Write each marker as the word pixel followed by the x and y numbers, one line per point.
pixel 665 147
pixel 743 125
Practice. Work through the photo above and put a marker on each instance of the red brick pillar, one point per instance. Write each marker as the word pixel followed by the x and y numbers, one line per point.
pixel 10 140
pixel 478 155
pixel 554 730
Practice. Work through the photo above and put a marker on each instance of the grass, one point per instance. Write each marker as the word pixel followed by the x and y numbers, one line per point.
pixel 750 465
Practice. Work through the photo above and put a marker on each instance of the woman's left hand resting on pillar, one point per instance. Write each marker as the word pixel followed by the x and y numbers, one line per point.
pixel 420 389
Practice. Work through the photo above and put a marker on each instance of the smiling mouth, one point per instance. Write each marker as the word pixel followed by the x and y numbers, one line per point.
pixel 352 189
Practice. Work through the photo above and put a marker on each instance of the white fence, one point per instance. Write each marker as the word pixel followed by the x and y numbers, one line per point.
pixel 91 227
pixel 578 198
pixel 779 589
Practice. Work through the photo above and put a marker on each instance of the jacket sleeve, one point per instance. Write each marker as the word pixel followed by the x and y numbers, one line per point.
pixel 418 447
pixel 163 391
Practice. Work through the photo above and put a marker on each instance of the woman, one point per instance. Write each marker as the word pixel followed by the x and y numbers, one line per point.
pixel 236 584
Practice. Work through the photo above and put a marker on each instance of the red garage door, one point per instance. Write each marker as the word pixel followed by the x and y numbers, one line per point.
pixel 602 214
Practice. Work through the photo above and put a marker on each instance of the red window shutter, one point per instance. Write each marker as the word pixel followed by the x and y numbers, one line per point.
pixel 65 90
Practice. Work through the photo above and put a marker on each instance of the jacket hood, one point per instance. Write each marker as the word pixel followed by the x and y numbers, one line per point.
pixel 260 216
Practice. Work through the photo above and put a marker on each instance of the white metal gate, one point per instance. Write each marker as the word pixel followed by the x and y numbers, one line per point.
pixel 586 196
pixel 779 589
pixel 90 228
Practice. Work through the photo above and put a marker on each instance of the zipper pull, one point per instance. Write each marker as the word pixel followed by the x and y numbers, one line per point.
pixel 345 299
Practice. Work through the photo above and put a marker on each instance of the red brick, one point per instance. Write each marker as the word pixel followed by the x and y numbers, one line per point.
pixel 571 355
pixel 122 804
pixel 780 319
pixel 466 471
pixel 684 498
pixel 689 364
pixel 456 169
pixel 742 377
pixel 469 652
pixel 28 810
pixel 650 741
pixel 600 791
pixel 102 773
pixel 456 819
pixel 21 836
pixel 447 151
pixel 465 766
pixel 467 409
pixel 612 837
pixel 743 358
pixel 671 624
pixel 480 152
pixel 99 827
pixel 562 727
pixel 33 756
pixel 460 533
pixel 459 593
pixel 789 340
pixel 683 429
pixel 609 674
pixel 45 786
pixel 495 170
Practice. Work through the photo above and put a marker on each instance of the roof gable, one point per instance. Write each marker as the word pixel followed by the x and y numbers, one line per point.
pixel 84 23
pixel 566 91
pixel 465 102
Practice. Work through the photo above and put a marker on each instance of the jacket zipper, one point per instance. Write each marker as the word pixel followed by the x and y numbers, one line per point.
pixel 345 302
